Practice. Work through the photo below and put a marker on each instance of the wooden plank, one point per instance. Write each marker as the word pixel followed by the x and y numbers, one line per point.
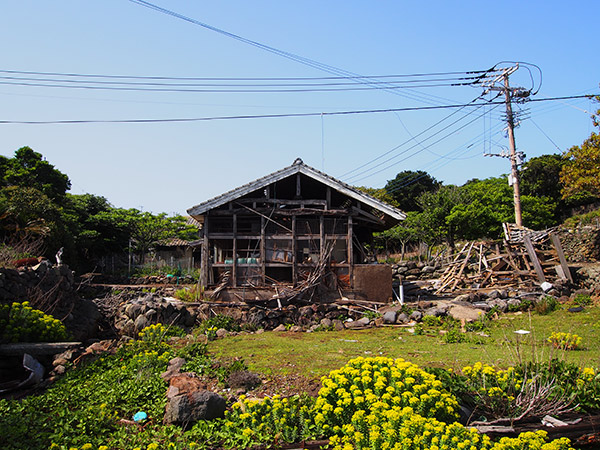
pixel 263 249
pixel 36 348
pixel 350 252
pixel 234 262
pixel 204 256
pixel 462 268
pixel 561 256
pixel 294 245
pixel 534 259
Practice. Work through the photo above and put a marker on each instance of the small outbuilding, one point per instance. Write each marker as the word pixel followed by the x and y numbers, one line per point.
pixel 283 227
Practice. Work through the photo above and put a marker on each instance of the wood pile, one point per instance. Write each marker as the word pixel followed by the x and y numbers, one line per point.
pixel 525 258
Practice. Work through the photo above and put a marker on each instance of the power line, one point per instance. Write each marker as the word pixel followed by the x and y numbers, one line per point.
pixel 227 89
pixel 271 116
pixel 300 59
pixel 415 153
pixel 154 77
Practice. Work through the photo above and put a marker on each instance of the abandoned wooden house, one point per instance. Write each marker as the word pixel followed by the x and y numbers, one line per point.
pixel 282 227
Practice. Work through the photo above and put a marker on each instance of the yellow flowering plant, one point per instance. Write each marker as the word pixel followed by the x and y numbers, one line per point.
pixel 565 341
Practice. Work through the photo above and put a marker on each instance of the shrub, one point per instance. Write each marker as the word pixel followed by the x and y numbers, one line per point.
pixel 432 321
pixel 565 341
pixel 546 305
pixel 193 294
pixel 219 321
pixel 372 385
pixel 582 300
pixel 19 322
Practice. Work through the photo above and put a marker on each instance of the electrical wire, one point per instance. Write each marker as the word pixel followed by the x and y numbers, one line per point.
pixel 364 175
pixel 413 95
pixel 268 116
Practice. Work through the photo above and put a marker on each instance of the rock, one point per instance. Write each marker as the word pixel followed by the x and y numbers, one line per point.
pixel 364 321
pixel 338 325
pixel 243 379
pixel 222 332
pixel 428 269
pixel 188 402
pixel 295 329
pixel 435 311
pixel 462 298
pixel 140 323
pixel 389 317
pixel 326 323
pixel 402 318
pixel 354 324
pixel 502 305
pixel 514 302
pixel 467 313
pixel 280 328
pixel 416 316
pixel 173 369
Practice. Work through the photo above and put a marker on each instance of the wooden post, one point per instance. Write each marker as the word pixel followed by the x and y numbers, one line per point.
pixel 561 256
pixel 294 264
pixel 205 254
pixel 234 267
pixel 534 259
pixel 350 255
pixel 263 249
pixel 321 236
pixel 513 153
pixel 328 198
pixel 298 186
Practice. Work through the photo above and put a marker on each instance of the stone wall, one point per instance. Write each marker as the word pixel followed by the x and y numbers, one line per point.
pixel 581 244
pixel 51 289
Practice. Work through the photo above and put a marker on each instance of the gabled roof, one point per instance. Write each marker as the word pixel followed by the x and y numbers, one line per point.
pixel 297 167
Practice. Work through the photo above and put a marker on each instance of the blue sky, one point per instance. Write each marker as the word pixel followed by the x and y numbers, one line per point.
pixel 172 166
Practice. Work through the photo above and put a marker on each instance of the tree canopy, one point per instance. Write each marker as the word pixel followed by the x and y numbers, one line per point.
pixel 28 169
pixel 408 185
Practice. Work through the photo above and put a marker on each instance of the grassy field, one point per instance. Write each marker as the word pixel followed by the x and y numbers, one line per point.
pixel 315 354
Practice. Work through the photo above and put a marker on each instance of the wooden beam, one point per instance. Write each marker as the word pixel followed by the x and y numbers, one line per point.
pixel 321 235
pixel 534 259
pixel 205 255
pixel 234 267
pixel 350 247
pixel 561 256
pixel 263 249
pixel 266 217
pixel 298 186
pixel 294 262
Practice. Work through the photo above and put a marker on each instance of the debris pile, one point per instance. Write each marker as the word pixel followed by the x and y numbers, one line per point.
pixel 525 258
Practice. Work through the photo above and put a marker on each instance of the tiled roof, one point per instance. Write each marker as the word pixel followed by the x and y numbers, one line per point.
pixel 297 167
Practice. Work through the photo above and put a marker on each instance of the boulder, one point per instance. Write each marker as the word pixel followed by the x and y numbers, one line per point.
pixel 416 316
pixel 389 317
pixel 188 401
pixel 402 318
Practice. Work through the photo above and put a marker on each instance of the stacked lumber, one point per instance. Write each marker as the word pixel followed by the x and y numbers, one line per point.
pixel 524 258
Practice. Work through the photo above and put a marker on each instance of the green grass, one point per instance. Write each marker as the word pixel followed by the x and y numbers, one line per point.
pixel 315 354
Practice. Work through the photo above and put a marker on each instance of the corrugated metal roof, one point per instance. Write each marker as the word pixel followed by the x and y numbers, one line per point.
pixel 297 167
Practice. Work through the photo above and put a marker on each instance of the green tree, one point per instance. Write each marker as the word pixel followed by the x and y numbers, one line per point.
pixel 146 229
pixel 397 238
pixel 380 194
pixel 580 175
pixel 96 227
pixel 408 186
pixel 28 169
pixel 437 206
pixel 27 214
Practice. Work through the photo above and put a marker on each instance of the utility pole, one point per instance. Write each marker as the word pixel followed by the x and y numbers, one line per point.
pixel 513 153
pixel 514 156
